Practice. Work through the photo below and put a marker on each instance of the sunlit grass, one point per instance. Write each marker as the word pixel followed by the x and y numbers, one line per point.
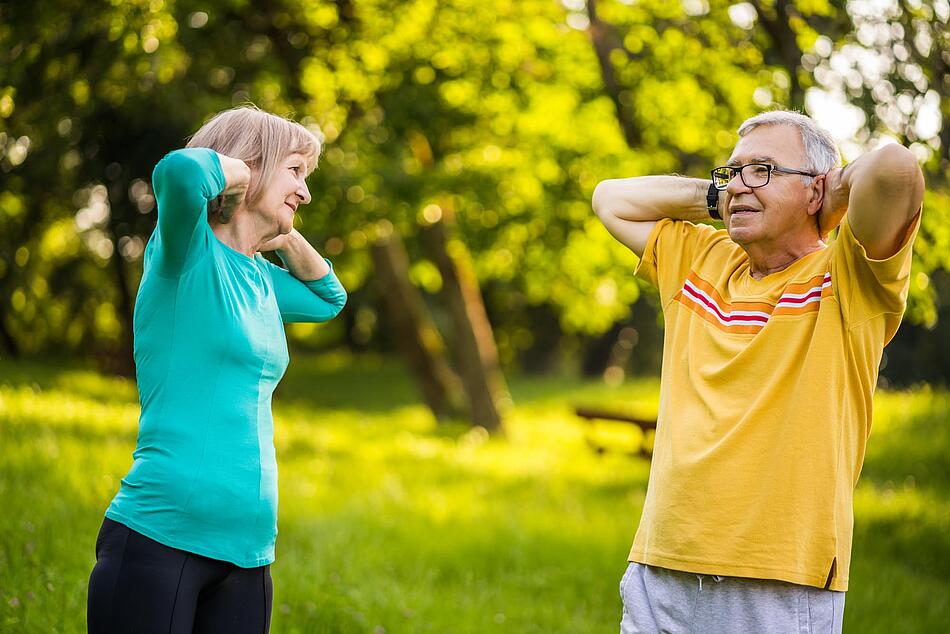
pixel 391 523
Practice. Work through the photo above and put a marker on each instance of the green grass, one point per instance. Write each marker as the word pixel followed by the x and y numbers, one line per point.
pixel 389 523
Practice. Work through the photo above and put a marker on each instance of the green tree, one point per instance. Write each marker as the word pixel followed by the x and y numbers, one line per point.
pixel 505 114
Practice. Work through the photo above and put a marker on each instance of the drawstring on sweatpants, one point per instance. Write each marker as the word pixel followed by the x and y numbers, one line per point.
pixel 716 578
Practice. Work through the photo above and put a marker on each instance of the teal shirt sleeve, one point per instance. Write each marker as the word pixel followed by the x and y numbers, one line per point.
pixel 311 301
pixel 184 181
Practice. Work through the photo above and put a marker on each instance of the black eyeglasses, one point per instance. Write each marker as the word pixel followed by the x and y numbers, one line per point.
pixel 753 175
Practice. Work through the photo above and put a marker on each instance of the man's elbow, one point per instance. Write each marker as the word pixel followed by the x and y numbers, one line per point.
pixel 603 199
pixel 898 167
pixel 896 156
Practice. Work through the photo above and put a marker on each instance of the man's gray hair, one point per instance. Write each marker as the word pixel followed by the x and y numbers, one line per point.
pixel 821 153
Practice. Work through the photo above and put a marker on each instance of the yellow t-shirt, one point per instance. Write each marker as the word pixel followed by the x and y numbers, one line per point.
pixel 765 404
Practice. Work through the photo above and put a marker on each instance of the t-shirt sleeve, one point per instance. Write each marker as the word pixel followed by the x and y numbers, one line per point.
pixel 184 181
pixel 866 288
pixel 671 249
pixel 311 301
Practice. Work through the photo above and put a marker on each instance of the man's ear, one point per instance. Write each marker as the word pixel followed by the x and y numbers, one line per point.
pixel 817 194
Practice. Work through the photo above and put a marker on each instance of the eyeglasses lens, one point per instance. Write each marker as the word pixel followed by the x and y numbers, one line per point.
pixel 755 175
pixel 721 177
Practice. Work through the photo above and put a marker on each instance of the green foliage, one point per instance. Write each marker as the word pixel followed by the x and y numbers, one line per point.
pixel 387 520
pixel 495 111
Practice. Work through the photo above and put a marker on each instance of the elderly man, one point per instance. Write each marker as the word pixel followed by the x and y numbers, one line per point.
pixel 772 345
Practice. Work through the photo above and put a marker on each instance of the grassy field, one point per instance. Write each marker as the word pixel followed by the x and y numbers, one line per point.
pixel 391 524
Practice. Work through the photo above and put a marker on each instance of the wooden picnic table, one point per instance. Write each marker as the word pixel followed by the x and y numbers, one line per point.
pixel 592 415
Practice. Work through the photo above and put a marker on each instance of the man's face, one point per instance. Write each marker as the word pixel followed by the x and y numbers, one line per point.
pixel 777 213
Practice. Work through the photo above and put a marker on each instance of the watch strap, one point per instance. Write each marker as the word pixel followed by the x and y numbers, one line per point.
pixel 712 202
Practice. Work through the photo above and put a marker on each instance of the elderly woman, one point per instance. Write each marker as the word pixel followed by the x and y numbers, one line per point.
pixel 187 543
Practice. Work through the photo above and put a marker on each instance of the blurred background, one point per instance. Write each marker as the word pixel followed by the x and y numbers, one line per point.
pixel 463 141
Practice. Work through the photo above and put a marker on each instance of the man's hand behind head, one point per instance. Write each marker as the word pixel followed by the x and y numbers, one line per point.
pixel 834 205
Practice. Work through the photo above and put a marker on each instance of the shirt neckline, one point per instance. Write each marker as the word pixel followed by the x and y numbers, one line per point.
pixel 744 285
pixel 250 259
pixel 789 271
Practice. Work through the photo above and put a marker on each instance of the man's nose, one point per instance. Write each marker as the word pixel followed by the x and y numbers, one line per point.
pixel 736 186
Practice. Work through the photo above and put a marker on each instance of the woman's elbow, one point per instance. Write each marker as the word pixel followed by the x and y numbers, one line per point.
pixel 337 304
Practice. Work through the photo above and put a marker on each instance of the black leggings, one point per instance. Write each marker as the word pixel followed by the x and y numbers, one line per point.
pixel 139 585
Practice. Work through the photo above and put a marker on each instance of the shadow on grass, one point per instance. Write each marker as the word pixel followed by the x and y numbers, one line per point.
pixel 920 547
pixel 67 376
pixel 913 449
pixel 900 576
pixel 366 383
pixel 374 384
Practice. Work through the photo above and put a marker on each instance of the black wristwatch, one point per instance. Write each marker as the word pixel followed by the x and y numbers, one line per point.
pixel 712 202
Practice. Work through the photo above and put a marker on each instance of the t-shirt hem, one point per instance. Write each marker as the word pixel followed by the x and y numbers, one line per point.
pixel 255 562
pixel 732 570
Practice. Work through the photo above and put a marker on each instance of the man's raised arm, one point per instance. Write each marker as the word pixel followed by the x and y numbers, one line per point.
pixel 881 192
pixel 630 207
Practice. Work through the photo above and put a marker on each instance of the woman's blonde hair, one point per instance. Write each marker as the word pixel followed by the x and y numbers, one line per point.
pixel 260 139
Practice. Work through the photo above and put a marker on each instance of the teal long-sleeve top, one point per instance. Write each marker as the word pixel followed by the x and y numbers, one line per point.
pixel 210 349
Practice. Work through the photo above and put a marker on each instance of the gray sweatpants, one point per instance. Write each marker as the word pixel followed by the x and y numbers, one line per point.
pixel 662 600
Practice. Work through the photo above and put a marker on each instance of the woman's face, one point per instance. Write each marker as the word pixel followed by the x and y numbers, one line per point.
pixel 286 190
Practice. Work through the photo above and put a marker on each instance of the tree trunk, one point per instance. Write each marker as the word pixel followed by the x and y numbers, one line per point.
pixel 414 331
pixel 124 360
pixel 604 38
pixel 778 26
pixel 605 42
pixel 8 341
pixel 477 354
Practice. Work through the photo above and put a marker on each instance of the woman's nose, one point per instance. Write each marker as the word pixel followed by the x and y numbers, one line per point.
pixel 303 193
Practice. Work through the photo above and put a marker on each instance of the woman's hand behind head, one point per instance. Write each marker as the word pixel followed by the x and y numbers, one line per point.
pixel 237 179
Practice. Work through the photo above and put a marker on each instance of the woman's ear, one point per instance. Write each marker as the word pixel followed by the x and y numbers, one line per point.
pixel 254 184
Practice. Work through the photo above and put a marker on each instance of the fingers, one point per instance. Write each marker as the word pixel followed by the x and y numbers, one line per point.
pixel 237 174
